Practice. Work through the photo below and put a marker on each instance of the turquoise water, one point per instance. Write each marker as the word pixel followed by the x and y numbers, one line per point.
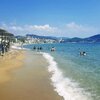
pixel 81 72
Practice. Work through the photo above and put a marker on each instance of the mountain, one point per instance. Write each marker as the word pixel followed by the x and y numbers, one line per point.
pixel 75 39
pixel 5 33
pixel 95 38
pixel 92 39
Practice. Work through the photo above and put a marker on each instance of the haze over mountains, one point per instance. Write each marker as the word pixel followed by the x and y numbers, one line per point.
pixel 91 39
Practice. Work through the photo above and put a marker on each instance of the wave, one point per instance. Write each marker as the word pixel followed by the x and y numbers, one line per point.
pixel 18 47
pixel 65 87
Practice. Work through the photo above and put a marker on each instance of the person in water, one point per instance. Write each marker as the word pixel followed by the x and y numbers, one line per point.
pixel 40 48
pixel 83 53
pixel 53 49
pixel 34 48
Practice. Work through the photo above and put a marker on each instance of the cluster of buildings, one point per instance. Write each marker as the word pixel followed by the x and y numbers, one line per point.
pixel 38 40
pixel 31 38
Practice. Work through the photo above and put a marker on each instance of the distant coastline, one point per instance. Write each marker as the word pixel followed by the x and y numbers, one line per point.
pixel 32 38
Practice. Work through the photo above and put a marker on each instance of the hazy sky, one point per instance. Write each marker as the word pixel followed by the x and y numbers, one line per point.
pixel 70 18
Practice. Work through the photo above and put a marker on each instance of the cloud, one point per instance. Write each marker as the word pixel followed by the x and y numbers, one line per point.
pixel 45 28
pixel 77 30
pixel 16 28
pixel 41 27
pixel 33 29
pixel 69 30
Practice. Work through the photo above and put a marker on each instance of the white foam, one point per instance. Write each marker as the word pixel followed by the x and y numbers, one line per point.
pixel 65 87
pixel 18 47
pixel 15 47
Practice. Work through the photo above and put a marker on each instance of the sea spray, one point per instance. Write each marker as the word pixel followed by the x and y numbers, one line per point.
pixel 65 87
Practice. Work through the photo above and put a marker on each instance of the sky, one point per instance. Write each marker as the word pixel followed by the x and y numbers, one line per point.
pixel 65 18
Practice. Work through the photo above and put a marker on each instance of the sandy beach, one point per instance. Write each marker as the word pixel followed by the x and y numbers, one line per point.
pixel 13 59
pixel 24 76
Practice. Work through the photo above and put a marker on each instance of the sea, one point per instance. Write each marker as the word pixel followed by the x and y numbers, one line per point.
pixel 73 76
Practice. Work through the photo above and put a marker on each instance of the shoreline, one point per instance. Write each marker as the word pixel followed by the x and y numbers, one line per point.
pixel 29 79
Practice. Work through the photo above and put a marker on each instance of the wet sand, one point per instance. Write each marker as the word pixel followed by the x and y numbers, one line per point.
pixel 29 82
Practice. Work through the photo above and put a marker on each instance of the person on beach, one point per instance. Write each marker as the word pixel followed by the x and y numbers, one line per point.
pixel 2 48
pixel 8 45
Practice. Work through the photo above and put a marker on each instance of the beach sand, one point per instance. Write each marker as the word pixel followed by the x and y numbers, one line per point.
pixel 13 59
pixel 25 77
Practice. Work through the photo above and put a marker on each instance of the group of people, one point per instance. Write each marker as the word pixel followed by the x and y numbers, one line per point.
pixel 82 53
pixel 4 47
pixel 40 48
pixel 37 48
